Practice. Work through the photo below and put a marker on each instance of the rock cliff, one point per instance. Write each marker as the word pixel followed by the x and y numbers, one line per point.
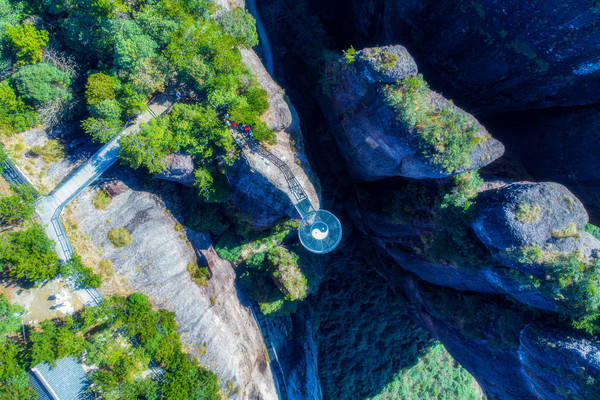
pixel 381 138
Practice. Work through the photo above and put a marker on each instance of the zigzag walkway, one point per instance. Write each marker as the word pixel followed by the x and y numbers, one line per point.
pixel 301 201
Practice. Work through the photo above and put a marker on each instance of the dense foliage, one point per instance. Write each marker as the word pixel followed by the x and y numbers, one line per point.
pixel 435 376
pixel 29 254
pixel 125 52
pixel 443 134
pixel 120 337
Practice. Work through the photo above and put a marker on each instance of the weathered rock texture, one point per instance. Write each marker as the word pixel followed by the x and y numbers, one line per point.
pixel 547 210
pixel 216 324
pixel 497 55
pixel 369 135
pixel 180 168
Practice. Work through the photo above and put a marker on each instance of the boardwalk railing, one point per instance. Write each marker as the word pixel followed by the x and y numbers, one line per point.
pixel 301 200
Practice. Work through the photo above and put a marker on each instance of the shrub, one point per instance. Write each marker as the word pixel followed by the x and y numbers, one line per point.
pixel 101 200
pixel 119 237
pixel 28 42
pixel 198 274
pixel 15 115
pixel 445 136
pixel 527 213
pixel 593 230
pixel 40 83
pixel 569 231
pixel 105 266
pixel 51 151
pixel 101 86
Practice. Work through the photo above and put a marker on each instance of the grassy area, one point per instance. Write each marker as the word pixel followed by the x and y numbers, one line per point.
pixel 435 376
pixel 51 151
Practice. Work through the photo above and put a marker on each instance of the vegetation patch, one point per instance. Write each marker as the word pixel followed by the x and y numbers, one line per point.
pixel 444 136
pixel 119 237
pixel 571 279
pixel 199 274
pixel 119 338
pixel 454 241
pixel 51 151
pixel 569 231
pixel 527 213
pixel 435 376
pixel 101 199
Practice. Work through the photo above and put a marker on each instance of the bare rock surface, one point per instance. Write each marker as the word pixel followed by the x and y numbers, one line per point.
pixel 216 324
pixel 289 145
pixel 180 168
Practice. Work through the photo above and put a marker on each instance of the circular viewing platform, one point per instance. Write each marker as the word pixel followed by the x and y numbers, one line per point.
pixel 320 231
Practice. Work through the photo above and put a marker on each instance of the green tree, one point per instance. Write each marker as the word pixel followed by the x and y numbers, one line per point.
pixel 40 83
pixel 15 115
pixel 28 42
pixel 101 86
pixel 241 25
pixel 15 209
pixel 101 130
pixel 14 383
pixel 149 146
pixel 29 254
pixel 10 317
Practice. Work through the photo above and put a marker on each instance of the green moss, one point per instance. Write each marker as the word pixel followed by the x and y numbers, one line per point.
pixel 445 137
pixel 101 199
pixel 527 213
pixel 119 237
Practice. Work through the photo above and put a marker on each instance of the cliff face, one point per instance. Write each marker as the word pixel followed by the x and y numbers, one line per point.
pixel 521 240
pixel 500 56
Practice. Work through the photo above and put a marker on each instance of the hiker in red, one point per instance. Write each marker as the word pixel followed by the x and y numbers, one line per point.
pixel 246 128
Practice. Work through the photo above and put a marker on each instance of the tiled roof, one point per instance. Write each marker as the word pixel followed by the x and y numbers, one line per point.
pixel 65 381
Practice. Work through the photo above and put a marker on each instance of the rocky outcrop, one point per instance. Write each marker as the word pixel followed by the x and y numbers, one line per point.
pixel 368 131
pixel 559 364
pixel 530 360
pixel 545 215
pixel 216 323
pixel 257 196
pixel 493 55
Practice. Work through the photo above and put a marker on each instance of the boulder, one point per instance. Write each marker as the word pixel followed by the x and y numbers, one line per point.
pixel 375 143
pixel 180 168
pixel 532 215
